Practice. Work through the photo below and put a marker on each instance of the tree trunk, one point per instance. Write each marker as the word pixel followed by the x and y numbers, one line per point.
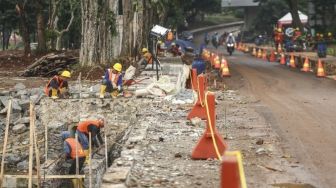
pixel 127 28
pixel 96 45
pixel 293 5
pixel 41 42
pixel 20 8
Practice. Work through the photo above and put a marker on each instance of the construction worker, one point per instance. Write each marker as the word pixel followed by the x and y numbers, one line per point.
pixel 170 36
pixel 297 34
pixel 175 49
pixel 148 58
pixel 93 127
pixel 278 37
pixel 112 81
pixel 58 86
pixel 73 148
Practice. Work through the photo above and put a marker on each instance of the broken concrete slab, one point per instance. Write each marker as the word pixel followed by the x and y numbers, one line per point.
pixel 24 120
pixel 116 175
pixel 23 165
pixel 19 128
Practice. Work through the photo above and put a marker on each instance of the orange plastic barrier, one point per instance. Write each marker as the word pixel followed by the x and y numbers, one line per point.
pixel 198 109
pixel 210 145
pixel 232 171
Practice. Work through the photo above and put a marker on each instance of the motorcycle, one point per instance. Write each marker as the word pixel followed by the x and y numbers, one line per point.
pixel 230 48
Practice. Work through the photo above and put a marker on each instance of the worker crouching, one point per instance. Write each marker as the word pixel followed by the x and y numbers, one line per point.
pixel 73 149
pixel 112 81
pixel 58 87
pixel 93 127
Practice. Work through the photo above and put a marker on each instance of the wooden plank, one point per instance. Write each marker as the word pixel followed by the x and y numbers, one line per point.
pixel 31 139
pixel 37 153
pixel 46 176
pixel 90 161
pixel 5 142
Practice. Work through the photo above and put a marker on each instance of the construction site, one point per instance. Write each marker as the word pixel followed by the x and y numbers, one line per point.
pixel 175 94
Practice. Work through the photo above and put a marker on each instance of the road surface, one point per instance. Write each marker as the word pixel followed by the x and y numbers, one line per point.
pixel 299 106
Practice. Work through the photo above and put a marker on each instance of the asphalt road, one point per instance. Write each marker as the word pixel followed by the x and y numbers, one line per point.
pixel 299 106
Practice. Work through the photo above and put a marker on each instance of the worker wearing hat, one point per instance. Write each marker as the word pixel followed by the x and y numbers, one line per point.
pixel 112 81
pixel 148 58
pixel 73 149
pixel 93 127
pixel 58 86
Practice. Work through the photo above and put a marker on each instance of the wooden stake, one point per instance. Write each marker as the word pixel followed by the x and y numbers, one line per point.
pixel 46 142
pixel 5 142
pixel 80 84
pixel 31 138
pixel 77 162
pixel 105 140
pixel 37 153
pixel 90 166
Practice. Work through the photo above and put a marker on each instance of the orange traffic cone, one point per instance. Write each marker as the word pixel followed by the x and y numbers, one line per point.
pixel 320 69
pixel 282 59
pixel 225 68
pixel 292 61
pixel 212 58
pixel 272 57
pixel 198 109
pixel 211 144
pixel 259 53
pixel 264 56
pixel 217 63
pixel 232 171
pixel 306 67
pixel 254 52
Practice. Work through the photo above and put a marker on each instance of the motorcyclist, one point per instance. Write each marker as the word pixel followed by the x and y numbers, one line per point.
pixel 230 43
pixel 215 40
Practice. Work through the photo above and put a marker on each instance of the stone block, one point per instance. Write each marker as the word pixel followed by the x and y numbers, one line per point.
pixel 19 128
pixel 108 185
pixel 116 175
pixel 24 120
pixel 19 86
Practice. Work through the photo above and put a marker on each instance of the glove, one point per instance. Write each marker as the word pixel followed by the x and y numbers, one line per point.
pixel 119 88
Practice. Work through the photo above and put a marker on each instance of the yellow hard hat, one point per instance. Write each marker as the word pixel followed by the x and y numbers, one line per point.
pixel 321 35
pixel 297 28
pixel 160 42
pixel 279 30
pixel 66 74
pixel 144 50
pixel 329 34
pixel 117 67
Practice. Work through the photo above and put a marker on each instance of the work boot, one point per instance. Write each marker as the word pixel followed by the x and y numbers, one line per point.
pixel 87 153
pixel 102 91
pixel 77 183
pixel 54 94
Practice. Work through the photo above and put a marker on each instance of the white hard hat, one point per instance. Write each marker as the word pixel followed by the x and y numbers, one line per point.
pixel 230 34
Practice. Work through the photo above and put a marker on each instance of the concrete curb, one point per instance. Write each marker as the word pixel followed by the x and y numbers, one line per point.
pixel 214 27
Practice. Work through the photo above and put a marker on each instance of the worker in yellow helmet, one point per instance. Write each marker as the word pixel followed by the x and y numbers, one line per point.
pixel 112 81
pixel 147 57
pixel 58 86
pixel 330 36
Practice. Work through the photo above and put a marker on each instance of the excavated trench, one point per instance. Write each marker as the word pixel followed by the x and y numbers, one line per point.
pixel 55 116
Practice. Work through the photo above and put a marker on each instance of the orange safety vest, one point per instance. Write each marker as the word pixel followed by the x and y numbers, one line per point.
pixel 72 142
pixel 148 57
pixel 59 81
pixel 83 126
pixel 110 76
pixel 170 36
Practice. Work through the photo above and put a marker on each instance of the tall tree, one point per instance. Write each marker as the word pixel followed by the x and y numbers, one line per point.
pixel 24 29
pixel 41 40
pixel 293 5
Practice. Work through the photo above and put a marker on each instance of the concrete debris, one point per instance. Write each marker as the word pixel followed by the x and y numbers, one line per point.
pixel 19 128
pixel 196 121
pixel 19 87
pixel 23 165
